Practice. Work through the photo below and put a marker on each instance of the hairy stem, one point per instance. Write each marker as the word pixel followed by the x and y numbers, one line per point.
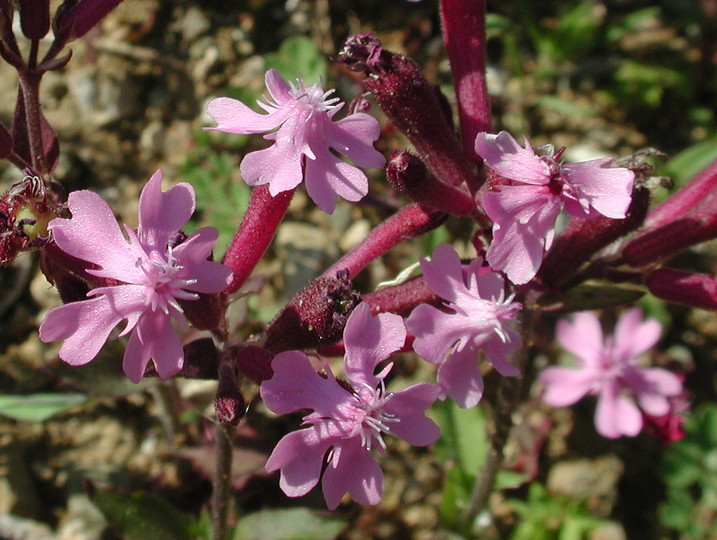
pixel 465 41
pixel 508 395
pixel 30 88
pixel 221 481
pixel 262 219
pixel 409 222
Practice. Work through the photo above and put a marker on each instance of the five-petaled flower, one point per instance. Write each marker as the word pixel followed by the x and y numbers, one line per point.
pixel 477 316
pixel 525 209
pixel 348 420
pixel 151 271
pixel 304 139
pixel 609 369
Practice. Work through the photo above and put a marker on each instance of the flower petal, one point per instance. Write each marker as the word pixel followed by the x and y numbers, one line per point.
pixel 607 189
pixel 616 415
pixel 300 456
pixel 153 339
pixel 296 385
pixel 369 340
pixel 565 386
pixel 633 336
pixel 162 214
pixel 105 246
pixel 503 154
pixel 409 407
pixel 232 116
pixel 279 166
pixel 85 326
pixel 353 137
pixel 581 337
pixel 355 472
pixel 460 378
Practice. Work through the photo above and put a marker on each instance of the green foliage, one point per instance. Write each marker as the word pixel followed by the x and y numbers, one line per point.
pixel 141 515
pixel 462 447
pixel 687 164
pixel 689 469
pixel 545 517
pixel 591 295
pixel 38 407
pixel 288 524
pixel 298 56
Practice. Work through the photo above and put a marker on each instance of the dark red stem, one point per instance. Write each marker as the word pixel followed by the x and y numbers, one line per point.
pixel 262 218
pixel 409 222
pixel 465 41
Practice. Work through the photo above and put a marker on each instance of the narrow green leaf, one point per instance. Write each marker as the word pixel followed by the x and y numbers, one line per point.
pixel 288 524
pixel 141 516
pixel 38 407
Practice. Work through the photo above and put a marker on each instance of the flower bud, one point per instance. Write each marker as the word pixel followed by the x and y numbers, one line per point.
pixel 698 290
pixel 409 175
pixel 315 316
pixel 410 102
pixel 254 363
pixel 74 18
pixel 229 404
pixel 35 18
pixel 687 218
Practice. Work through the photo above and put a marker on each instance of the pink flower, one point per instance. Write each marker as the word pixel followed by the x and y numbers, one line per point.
pixel 477 316
pixel 152 271
pixel 304 141
pixel 525 210
pixel 609 369
pixel 349 419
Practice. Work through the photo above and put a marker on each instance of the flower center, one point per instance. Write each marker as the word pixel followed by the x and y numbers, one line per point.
pixel 313 97
pixel 163 285
pixel 372 421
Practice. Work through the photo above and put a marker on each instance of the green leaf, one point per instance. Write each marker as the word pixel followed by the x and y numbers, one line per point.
pixel 687 164
pixel 38 407
pixel 141 515
pixel 463 436
pixel 589 295
pixel 288 524
pixel 298 56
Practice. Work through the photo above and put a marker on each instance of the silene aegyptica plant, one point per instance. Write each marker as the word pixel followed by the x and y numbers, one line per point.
pixel 462 315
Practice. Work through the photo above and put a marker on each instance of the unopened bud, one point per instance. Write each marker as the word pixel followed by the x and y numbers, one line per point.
pixel 35 18
pixel 697 290
pixel 409 175
pixel 229 403
pixel 411 103
pixel 315 316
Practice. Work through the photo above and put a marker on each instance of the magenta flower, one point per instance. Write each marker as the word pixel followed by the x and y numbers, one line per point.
pixel 153 270
pixel 609 368
pixel 477 317
pixel 348 420
pixel 306 134
pixel 525 210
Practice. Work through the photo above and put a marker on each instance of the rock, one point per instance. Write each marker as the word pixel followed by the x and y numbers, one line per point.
pixel 594 481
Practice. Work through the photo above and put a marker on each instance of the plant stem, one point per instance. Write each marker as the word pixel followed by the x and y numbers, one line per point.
pixel 262 218
pixel 222 480
pixel 410 221
pixel 465 41
pixel 508 395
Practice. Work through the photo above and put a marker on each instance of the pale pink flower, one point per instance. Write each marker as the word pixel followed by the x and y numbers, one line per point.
pixel 477 317
pixel 304 139
pixel 153 269
pixel 525 210
pixel 348 420
pixel 609 368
